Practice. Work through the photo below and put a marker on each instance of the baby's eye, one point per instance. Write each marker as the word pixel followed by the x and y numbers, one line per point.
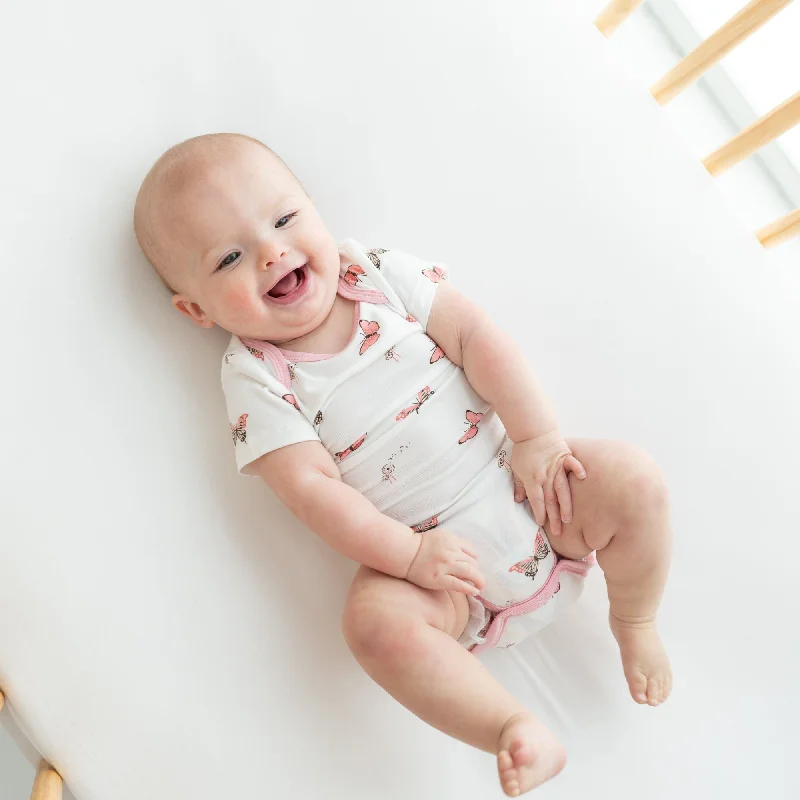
pixel 286 218
pixel 225 262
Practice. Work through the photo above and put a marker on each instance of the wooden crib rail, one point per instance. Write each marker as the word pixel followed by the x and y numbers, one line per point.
pixel 703 57
pixel 719 44
pixel 48 784
pixel 780 230
pixel 614 14
pixel 755 136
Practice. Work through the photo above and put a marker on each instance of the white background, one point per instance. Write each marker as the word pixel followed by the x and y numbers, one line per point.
pixel 154 642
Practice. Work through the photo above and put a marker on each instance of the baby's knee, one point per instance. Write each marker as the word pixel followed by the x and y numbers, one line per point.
pixel 377 633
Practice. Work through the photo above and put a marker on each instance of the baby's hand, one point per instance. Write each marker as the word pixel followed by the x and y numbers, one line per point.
pixel 539 468
pixel 444 561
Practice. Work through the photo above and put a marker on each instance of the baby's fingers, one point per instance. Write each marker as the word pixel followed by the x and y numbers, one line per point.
pixel 468 572
pixel 455 585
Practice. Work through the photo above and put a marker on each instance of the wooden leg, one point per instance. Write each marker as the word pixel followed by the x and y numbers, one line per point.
pixel 48 783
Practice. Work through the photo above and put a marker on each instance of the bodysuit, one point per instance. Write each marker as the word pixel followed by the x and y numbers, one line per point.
pixel 408 431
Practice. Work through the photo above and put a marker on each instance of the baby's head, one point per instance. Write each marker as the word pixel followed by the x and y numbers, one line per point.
pixel 221 219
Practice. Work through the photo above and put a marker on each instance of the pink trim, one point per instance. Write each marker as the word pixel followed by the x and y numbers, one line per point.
pixel 357 293
pixel 535 601
pixel 274 353
pixel 351 293
pixel 271 352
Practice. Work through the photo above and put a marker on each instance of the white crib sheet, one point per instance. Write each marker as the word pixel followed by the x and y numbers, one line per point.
pixel 152 644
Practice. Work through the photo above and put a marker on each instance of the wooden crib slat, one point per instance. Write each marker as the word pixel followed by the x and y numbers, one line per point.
pixel 614 14
pixel 755 136
pixel 721 42
pixel 48 784
pixel 780 230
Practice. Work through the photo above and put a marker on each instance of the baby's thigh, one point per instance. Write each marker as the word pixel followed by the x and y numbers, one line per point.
pixel 378 604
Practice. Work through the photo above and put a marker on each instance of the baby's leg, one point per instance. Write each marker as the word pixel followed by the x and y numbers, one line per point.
pixel 621 510
pixel 405 639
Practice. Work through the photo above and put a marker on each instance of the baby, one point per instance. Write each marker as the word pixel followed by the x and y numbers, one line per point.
pixel 398 422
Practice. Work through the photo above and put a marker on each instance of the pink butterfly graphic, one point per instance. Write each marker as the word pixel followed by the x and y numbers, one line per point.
pixel 422 396
pixel 530 566
pixel 353 273
pixel 436 274
pixel 256 353
pixel 436 353
pixel 370 333
pixel 432 522
pixel 391 355
pixel 342 455
pixel 238 431
pixel 290 398
pixel 473 417
pixel 410 318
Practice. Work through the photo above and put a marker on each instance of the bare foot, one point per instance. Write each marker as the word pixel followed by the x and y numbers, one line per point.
pixel 644 660
pixel 527 754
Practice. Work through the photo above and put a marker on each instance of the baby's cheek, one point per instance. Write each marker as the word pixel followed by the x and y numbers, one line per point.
pixel 238 299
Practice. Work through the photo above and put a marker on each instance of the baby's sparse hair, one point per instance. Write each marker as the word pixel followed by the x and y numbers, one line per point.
pixel 176 168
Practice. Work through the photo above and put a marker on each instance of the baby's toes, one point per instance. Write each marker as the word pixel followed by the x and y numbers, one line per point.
pixel 659 689
pixel 639 686
pixel 508 773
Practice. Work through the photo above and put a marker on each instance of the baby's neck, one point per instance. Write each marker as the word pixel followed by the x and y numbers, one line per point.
pixel 332 335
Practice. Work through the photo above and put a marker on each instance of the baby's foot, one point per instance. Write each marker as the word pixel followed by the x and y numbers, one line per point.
pixel 527 754
pixel 644 660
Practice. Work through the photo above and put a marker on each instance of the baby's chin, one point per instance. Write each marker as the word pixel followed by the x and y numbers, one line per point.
pixel 281 326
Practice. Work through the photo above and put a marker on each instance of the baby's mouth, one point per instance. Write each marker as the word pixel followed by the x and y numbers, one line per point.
pixel 288 283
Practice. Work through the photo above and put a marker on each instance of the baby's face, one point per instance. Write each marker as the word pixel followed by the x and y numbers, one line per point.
pixel 235 232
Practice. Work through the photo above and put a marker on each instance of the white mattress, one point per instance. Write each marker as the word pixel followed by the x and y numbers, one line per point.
pixel 152 642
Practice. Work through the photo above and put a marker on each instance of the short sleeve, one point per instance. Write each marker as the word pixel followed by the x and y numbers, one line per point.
pixel 262 414
pixel 413 280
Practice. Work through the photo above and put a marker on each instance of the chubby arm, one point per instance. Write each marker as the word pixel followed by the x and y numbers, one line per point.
pixel 493 363
pixel 305 477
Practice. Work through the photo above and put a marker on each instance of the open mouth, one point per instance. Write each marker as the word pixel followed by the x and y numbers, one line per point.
pixel 288 286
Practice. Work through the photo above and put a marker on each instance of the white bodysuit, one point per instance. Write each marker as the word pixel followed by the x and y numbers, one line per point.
pixel 409 432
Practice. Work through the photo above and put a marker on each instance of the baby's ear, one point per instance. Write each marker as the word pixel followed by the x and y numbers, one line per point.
pixel 191 310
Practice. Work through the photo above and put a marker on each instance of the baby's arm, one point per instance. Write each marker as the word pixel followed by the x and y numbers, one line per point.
pixel 305 477
pixel 493 363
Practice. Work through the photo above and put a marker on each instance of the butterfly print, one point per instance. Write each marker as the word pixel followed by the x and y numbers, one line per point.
pixel 410 318
pixel 369 330
pixel 353 447
pixel 502 461
pixel 256 353
pixel 227 357
pixel 427 525
pixel 238 431
pixel 473 418
pixel 290 398
pixel 435 274
pixel 353 273
pixel 318 418
pixel 422 396
pixel 530 566
pixel 292 374
pixel 373 256
pixel 388 473
pixel 436 353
